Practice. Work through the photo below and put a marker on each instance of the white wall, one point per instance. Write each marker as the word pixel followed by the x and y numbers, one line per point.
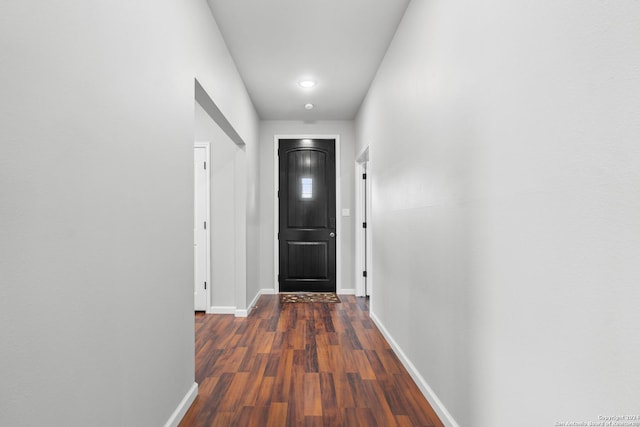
pixel 253 255
pixel 505 165
pixel 96 205
pixel 270 128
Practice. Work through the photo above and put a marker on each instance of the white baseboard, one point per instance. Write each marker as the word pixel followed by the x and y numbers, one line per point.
pixel 347 292
pixel 252 305
pixel 221 309
pixel 183 407
pixel 424 387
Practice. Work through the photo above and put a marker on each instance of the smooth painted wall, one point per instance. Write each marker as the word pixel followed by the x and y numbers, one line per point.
pixel 96 205
pixel 270 128
pixel 506 171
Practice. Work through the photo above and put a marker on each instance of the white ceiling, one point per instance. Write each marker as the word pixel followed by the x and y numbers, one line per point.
pixel 338 43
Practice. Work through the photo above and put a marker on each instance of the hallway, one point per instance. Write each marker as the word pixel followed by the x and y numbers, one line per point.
pixel 301 364
pixel 504 171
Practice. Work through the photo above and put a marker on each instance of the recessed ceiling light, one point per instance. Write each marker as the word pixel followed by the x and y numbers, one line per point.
pixel 308 106
pixel 307 84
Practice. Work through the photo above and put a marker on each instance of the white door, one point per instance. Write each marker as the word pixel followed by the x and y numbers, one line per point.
pixel 201 227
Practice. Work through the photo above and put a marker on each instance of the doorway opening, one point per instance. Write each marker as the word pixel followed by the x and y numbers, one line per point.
pixel 226 167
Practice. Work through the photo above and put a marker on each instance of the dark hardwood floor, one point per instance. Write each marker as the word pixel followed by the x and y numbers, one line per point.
pixel 301 364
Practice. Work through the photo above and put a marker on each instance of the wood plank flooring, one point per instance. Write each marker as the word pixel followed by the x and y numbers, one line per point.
pixel 301 364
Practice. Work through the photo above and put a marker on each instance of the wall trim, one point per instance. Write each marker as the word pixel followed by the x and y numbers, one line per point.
pixel 347 292
pixel 276 205
pixel 183 406
pixel 221 309
pixel 238 312
pixel 207 147
pixel 242 312
pixel 422 384
pixel 264 291
pixel 252 305
pixel 363 236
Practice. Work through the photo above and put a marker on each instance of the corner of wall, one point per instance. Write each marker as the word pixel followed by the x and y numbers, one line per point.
pixel 437 405
pixel 183 406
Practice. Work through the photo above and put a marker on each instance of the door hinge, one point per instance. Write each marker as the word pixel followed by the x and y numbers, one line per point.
pixel 205 165
pixel 364 274
pixel 205 225
pixel 205 286
pixel 364 225
pixel 364 176
pixel 278 236
pixel 278 194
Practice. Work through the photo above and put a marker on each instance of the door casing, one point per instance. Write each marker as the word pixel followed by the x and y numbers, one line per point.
pixel 207 203
pixel 276 216
pixel 363 252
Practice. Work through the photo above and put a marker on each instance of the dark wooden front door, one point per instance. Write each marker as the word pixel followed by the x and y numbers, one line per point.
pixel 307 205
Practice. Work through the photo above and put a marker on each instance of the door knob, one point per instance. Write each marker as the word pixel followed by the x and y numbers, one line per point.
pixel 332 234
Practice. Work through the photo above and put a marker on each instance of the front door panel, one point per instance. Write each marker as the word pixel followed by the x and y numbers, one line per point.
pixel 307 205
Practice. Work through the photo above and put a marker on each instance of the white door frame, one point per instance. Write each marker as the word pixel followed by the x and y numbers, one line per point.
pixel 207 147
pixel 276 209
pixel 362 235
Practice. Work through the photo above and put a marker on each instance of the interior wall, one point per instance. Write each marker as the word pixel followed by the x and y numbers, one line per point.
pixel 270 128
pixel 252 217
pixel 96 218
pixel 242 236
pixel 504 164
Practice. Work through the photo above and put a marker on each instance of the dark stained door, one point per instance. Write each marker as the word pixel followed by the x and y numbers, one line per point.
pixel 307 223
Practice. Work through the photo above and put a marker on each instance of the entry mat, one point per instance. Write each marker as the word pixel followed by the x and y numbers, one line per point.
pixel 309 297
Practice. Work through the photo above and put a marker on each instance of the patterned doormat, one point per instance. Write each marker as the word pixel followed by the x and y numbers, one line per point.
pixel 309 297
